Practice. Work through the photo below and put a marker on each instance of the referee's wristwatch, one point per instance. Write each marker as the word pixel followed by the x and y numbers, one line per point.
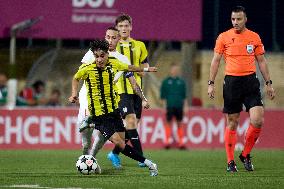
pixel 269 82
pixel 210 82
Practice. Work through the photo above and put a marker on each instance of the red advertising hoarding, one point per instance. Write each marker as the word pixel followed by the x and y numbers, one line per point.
pixel 88 19
pixel 56 129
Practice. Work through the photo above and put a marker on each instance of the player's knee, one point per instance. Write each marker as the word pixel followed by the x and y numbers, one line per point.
pixel 233 123
pixel 179 123
pixel 118 142
pixel 130 122
pixel 115 139
pixel 120 145
pixel 257 122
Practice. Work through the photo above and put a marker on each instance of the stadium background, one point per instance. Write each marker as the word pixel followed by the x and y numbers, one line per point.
pixel 184 32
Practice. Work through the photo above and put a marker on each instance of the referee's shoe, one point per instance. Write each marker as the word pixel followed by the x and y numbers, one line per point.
pixel 247 162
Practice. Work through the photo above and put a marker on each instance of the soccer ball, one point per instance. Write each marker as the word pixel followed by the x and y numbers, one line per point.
pixel 86 164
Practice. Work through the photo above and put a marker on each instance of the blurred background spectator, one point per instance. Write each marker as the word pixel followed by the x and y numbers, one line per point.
pixel 33 95
pixel 3 89
pixel 173 95
pixel 54 99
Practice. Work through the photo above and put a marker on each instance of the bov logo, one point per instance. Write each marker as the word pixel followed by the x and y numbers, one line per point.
pixel 92 3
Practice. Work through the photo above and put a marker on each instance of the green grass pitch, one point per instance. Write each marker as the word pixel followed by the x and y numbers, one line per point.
pixel 177 169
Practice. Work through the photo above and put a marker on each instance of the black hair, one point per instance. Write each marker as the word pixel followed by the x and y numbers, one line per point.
pixel 112 28
pixel 122 18
pixel 99 45
pixel 37 84
pixel 239 9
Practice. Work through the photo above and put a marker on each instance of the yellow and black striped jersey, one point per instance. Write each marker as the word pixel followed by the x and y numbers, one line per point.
pixel 137 53
pixel 101 93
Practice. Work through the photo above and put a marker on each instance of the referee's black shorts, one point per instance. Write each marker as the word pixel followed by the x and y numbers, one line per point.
pixel 109 124
pixel 173 112
pixel 130 104
pixel 239 91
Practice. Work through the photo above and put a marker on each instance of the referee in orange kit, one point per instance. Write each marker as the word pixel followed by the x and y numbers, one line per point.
pixel 240 48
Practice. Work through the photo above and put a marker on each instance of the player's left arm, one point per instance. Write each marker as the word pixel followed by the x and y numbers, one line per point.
pixel 137 89
pixel 262 63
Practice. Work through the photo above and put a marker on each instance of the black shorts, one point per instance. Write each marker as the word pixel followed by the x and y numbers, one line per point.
pixel 239 91
pixel 109 124
pixel 174 112
pixel 130 104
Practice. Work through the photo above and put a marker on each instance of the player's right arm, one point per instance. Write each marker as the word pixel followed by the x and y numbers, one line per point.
pixel 218 51
pixel 213 72
pixel 80 75
pixel 73 98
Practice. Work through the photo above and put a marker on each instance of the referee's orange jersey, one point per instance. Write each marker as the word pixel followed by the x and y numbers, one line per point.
pixel 239 51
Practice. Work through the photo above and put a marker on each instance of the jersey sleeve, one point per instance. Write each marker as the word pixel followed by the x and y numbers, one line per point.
pixel 144 54
pixel 219 45
pixel 120 66
pixel 81 74
pixel 88 58
pixel 259 47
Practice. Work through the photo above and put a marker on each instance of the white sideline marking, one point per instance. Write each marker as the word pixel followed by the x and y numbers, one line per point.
pixel 37 186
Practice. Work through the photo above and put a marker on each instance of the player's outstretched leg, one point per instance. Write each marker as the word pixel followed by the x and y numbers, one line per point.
pixel 86 140
pixel 132 153
pixel 86 123
pixel 99 142
pixel 135 141
pixel 115 159
pixel 113 156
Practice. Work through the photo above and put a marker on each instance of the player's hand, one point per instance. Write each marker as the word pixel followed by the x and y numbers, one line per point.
pixel 73 99
pixel 152 69
pixel 270 92
pixel 145 104
pixel 211 91
pixel 141 74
